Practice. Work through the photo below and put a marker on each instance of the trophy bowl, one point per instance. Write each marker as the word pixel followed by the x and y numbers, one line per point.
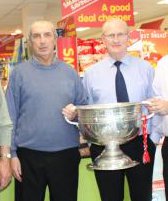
pixel 110 125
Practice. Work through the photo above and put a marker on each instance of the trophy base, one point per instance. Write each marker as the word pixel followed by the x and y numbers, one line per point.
pixel 112 160
pixel 113 164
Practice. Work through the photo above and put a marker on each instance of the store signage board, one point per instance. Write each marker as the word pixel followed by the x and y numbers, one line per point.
pixel 154 45
pixel 66 45
pixel 70 7
pixel 94 13
pixel 6 39
pixel 7 43
pixel 68 25
pixel 67 50
pixel 148 44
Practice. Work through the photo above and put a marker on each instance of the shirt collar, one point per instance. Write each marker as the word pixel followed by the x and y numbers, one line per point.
pixel 124 60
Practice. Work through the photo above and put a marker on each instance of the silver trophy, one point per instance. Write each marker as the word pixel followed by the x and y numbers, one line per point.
pixel 110 125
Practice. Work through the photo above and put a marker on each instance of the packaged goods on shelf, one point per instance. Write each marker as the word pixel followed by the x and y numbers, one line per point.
pixel 90 51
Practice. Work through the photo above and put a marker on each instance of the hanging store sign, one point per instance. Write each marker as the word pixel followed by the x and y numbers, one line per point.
pixel 67 51
pixel 68 26
pixel 149 44
pixel 7 43
pixel 70 7
pixel 94 13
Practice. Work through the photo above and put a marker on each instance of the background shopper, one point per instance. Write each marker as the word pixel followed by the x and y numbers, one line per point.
pixel 159 105
pixel 5 141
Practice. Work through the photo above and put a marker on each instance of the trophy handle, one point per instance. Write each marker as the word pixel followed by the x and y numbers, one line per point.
pixel 71 122
pixel 149 115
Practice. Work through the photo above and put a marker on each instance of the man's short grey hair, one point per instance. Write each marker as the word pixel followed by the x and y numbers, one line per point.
pixel 42 22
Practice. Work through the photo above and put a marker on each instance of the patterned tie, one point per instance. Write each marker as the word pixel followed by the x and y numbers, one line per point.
pixel 121 89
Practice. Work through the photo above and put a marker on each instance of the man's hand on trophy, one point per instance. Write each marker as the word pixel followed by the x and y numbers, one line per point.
pixel 69 111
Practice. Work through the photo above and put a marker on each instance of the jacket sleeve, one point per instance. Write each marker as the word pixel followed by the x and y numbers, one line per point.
pixel 5 122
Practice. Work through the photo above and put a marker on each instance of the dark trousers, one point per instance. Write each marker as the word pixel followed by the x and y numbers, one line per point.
pixel 111 182
pixel 57 170
pixel 165 164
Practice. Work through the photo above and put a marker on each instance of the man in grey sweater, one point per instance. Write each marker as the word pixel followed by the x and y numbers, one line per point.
pixel 44 146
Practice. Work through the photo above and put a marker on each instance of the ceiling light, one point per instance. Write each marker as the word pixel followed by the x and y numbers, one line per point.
pixel 82 29
pixel 16 32
pixel 13 33
pixel 163 2
pixel 135 13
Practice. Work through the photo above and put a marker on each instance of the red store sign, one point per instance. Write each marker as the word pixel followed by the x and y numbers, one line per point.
pixel 93 13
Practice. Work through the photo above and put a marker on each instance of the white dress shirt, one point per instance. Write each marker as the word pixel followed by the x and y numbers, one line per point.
pixel 99 83
pixel 160 87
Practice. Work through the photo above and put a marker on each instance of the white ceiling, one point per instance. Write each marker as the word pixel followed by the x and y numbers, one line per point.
pixel 11 12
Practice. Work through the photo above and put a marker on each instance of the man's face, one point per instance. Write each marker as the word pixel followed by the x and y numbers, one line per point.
pixel 42 40
pixel 115 37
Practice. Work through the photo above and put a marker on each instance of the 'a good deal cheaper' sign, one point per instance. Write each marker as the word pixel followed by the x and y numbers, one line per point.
pixel 93 13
